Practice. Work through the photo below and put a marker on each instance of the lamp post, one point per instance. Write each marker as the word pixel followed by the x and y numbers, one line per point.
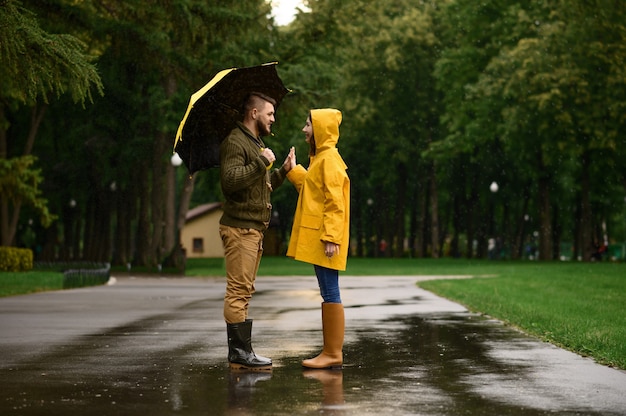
pixel 371 241
pixel 491 242
pixel 176 161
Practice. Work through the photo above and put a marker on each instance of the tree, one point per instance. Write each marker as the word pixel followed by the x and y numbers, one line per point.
pixel 387 97
pixel 36 66
pixel 116 153
pixel 555 84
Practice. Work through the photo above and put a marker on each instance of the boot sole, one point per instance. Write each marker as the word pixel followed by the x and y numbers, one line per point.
pixel 242 367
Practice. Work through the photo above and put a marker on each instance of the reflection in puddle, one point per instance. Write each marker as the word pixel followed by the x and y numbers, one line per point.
pixel 427 365
pixel 332 387
pixel 241 389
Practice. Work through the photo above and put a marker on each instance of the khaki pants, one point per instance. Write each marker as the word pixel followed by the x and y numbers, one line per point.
pixel 243 248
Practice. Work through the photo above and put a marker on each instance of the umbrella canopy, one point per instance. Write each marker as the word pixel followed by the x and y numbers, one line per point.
pixel 214 109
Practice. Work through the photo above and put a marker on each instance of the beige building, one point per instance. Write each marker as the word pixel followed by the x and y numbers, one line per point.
pixel 200 236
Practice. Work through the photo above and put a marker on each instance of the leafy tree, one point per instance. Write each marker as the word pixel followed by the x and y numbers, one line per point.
pixel 116 154
pixel 387 97
pixel 36 67
pixel 555 84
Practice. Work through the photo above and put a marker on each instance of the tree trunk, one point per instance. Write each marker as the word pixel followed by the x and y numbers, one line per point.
pixel 413 223
pixel 434 212
pixel 577 249
pixel 126 202
pixel 586 243
pixel 399 227
pixel 170 220
pixel 356 216
pixel 5 239
pixel 145 255
pixel 471 213
pixel 545 212
pixel 157 197
pixel 10 213
pixel 518 240
pixel 455 251
pixel 420 242
pixel 37 116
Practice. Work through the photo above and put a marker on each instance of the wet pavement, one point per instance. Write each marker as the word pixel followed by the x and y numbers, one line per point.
pixel 157 346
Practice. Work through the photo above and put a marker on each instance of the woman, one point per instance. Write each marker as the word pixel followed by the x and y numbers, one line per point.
pixel 321 229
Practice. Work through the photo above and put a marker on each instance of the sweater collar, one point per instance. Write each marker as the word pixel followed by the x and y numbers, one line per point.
pixel 249 135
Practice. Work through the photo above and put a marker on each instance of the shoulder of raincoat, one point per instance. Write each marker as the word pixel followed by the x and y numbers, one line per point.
pixel 323 209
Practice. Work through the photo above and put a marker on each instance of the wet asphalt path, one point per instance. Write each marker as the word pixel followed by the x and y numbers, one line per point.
pixel 157 346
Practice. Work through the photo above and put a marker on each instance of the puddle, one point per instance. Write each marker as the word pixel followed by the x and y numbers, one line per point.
pixel 169 358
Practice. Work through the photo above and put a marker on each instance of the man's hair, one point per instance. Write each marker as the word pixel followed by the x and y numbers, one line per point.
pixel 255 99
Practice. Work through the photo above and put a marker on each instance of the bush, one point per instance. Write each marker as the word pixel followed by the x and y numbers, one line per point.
pixel 13 259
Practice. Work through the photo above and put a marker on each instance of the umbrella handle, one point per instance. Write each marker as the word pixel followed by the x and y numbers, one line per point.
pixel 271 163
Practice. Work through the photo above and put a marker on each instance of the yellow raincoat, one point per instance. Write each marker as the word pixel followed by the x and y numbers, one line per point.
pixel 323 210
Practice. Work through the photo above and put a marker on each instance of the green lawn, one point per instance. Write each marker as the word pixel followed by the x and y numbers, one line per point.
pixel 21 283
pixel 580 307
pixel 282 266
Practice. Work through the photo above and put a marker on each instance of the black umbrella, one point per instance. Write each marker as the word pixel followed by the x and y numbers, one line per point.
pixel 214 109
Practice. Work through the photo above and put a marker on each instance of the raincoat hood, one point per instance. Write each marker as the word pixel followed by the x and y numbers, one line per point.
pixel 325 123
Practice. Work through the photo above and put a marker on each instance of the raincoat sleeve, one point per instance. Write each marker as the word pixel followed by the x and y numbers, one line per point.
pixel 296 176
pixel 334 202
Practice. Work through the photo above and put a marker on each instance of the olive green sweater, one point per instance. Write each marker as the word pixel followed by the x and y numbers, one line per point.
pixel 246 181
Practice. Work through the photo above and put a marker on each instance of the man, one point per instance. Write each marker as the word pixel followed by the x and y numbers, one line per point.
pixel 247 183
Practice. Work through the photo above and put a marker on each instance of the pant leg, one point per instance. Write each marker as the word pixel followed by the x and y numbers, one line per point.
pixel 243 249
pixel 328 280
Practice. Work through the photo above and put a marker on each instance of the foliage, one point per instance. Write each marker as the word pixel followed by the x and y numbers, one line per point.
pixel 114 157
pixel 19 184
pixel 14 259
pixel 36 63
pixel 440 98
pixel 36 66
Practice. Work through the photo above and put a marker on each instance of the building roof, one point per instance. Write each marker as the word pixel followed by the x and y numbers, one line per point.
pixel 201 210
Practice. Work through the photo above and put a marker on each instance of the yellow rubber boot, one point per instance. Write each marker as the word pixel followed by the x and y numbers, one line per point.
pixel 333 327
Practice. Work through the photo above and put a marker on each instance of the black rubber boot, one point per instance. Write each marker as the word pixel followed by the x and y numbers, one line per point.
pixel 240 353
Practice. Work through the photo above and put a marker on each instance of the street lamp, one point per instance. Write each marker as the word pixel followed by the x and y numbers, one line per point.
pixel 494 187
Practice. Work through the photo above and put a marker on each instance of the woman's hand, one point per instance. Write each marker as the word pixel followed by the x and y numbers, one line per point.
pixel 290 161
pixel 330 249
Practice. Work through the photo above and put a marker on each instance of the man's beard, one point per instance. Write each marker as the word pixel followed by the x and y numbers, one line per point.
pixel 263 131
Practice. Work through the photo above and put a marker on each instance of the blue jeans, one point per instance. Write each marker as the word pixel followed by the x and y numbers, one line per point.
pixel 328 280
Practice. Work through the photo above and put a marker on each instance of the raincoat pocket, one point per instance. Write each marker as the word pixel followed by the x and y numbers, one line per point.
pixel 311 221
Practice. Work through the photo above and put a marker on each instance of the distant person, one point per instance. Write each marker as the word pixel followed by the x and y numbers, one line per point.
pixel 247 183
pixel 321 229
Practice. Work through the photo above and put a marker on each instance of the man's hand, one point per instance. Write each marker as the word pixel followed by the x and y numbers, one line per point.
pixel 268 154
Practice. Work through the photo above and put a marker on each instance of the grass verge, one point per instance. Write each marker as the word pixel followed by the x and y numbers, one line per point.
pixel 580 307
pixel 21 283
pixel 283 266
